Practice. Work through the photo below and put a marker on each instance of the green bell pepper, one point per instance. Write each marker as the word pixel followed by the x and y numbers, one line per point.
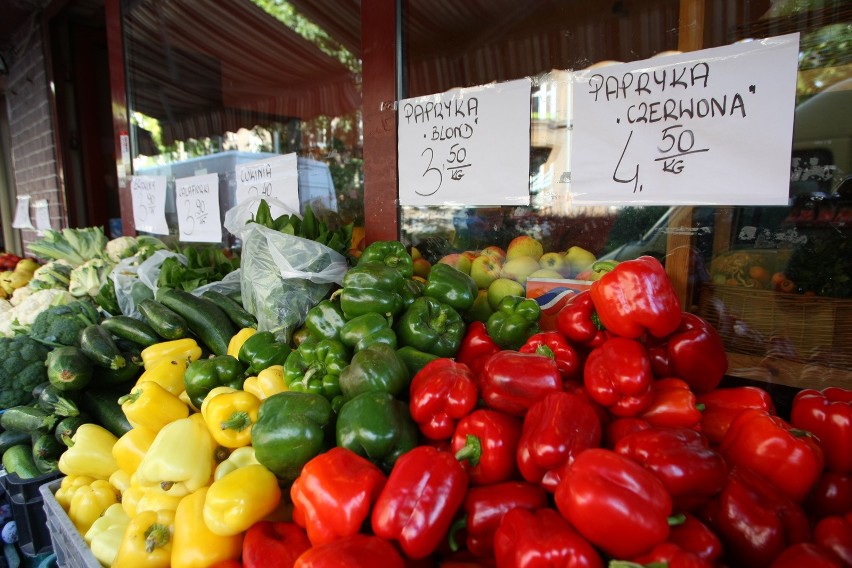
pixel 315 367
pixel 411 290
pixel 203 375
pixel 451 286
pixel 431 326
pixel 513 322
pixel 376 368
pixel 325 320
pixel 291 429
pixel 390 253
pixel 362 331
pixel 262 350
pixel 371 287
pixel 414 359
pixel 377 426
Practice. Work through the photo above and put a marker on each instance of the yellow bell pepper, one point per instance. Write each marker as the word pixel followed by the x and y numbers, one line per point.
pixel 90 502
pixel 120 480
pixel 184 398
pixel 185 349
pixel 216 391
pixel 236 342
pixel 91 453
pixel 181 458
pixel 129 450
pixel 239 499
pixel 153 499
pixel 105 535
pixel 151 406
pixel 130 499
pixel 268 382
pixel 69 485
pixel 147 541
pixel 168 373
pixel 230 417
pixel 194 545
pixel 240 457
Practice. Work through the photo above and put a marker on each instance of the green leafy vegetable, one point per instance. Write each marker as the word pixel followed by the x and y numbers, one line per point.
pixel 73 245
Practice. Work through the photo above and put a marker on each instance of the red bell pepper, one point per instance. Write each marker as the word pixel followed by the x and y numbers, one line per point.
pixel 356 551
pixel 553 344
pixel 228 564
pixel 424 490
pixel 512 382
pixel 274 545
pixel 694 353
pixel 615 503
pixel 667 554
pixel 484 508
pixel 579 322
pixel 805 554
pixel 476 347
pixel 721 406
pixel 696 537
pixel 618 376
pixel 789 459
pixel 672 405
pixel 556 430
pixel 440 394
pixel 832 495
pixel 635 298
pixel 682 459
pixel 834 533
pixel 333 494
pixel 486 442
pixel 541 539
pixel 615 430
pixel 827 414
pixel 754 521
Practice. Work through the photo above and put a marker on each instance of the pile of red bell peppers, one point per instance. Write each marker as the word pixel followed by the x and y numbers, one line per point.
pixel 608 441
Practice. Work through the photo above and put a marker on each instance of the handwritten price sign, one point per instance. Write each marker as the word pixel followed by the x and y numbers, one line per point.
pixel 149 204
pixel 276 177
pixel 466 146
pixel 197 204
pixel 707 127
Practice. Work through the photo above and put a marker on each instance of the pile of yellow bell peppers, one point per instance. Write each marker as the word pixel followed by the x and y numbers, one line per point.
pixel 181 487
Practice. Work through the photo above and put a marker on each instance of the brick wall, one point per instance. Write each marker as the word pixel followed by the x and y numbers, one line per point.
pixel 34 165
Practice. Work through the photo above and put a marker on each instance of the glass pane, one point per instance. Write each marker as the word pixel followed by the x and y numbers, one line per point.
pixel 217 84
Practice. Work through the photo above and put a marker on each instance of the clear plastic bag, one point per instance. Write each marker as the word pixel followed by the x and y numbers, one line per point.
pixel 134 282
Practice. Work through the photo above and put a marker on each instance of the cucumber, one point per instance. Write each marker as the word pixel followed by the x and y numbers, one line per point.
pixel 52 400
pixel 238 315
pixel 19 460
pixel 46 446
pixel 68 368
pixel 109 377
pixel 131 329
pixel 102 405
pixel 27 419
pixel 10 438
pixel 67 426
pixel 205 319
pixel 99 346
pixel 167 323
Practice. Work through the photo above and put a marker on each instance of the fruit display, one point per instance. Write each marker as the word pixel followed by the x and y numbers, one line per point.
pixel 417 416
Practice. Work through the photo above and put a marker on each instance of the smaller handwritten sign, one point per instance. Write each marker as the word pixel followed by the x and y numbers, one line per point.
pixel 197 204
pixel 276 177
pixel 42 215
pixel 22 214
pixel 466 146
pixel 148 194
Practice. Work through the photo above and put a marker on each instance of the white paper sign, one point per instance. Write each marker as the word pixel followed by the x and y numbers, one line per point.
pixel 149 204
pixel 466 146
pixel 22 214
pixel 710 127
pixel 276 177
pixel 197 204
pixel 42 215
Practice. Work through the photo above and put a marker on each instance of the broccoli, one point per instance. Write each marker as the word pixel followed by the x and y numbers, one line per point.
pixel 62 325
pixel 23 368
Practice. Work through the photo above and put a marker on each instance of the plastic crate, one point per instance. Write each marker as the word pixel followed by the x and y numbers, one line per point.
pixel 28 512
pixel 68 544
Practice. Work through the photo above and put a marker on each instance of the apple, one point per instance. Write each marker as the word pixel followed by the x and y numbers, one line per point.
pixel 503 287
pixel 555 261
pixel 519 268
pixel 579 259
pixel 524 246
pixel 495 252
pixel 545 273
pixel 422 267
pixel 470 254
pixel 415 254
pixel 484 270
pixel 458 261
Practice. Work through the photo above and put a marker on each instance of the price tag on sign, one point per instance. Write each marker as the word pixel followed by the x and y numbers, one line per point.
pixel 148 194
pixel 466 146
pixel 709 127
pixel 271 178
pixel 197 204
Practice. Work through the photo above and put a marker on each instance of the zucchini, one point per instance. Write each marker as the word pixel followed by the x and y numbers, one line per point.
pixel 68 368
pixel 99 346
pixel 38 388
pixel 46 465
pixel 10 438
pixel 205 319
pixel 67 426
pixel 46 446
pixel 27 419
pixel 131 329
pixel 102 405
pixel 167 323
pixel 52 400
pixel 238 315
pixel 109 377
pixel 19 460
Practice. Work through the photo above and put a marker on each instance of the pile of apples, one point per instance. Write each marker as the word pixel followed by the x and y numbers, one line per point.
pixel 17 275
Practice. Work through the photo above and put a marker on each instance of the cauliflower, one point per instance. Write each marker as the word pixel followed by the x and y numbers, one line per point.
pixel 21 294
pixel 87 278
pixel 54 274
pixel 121 247
pixel 25 313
